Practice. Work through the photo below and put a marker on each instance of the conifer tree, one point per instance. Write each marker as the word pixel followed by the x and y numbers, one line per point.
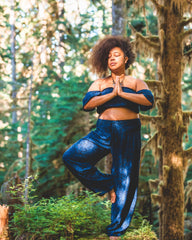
pixel 171 122
pixel 13 62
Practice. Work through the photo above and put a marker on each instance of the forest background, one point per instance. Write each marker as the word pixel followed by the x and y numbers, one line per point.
pixel 44 75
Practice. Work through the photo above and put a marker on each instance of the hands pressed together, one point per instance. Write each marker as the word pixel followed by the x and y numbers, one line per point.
pixel 117 91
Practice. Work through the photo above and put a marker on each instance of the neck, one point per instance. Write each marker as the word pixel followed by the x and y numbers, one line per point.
pixel 121 76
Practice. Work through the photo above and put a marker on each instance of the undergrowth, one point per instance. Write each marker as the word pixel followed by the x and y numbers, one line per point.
pixel 70 217
pixel 65 217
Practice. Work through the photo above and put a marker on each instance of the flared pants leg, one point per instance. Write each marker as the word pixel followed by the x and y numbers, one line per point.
pixel 81 158
pixel 126 144
pixel 122 138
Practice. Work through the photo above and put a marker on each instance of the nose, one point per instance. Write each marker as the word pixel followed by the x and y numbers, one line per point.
pixel 112 57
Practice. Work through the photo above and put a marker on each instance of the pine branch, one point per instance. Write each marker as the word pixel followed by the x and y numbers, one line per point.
pixel 186 22
pixel 151 41
pixel 186 33
pixel 159 7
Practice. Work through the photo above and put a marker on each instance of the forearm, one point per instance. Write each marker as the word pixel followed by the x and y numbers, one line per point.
pixel 136 98
pixel 98 100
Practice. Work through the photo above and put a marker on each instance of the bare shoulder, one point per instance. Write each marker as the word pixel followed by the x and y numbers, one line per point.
pixel 130 82
pixel 140 84
pixel 95 86
pixel 135 83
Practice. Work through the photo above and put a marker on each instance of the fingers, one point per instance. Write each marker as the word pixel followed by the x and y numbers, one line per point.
pixel 117 88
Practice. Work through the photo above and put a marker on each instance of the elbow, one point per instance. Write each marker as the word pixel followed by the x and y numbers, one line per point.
pixel 148 103
pixel 87 108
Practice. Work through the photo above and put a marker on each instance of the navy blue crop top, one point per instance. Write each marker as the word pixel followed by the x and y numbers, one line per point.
pixel 119 101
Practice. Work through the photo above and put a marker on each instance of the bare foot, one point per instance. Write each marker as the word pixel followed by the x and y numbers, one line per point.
pixel 114 238
pixel 113 197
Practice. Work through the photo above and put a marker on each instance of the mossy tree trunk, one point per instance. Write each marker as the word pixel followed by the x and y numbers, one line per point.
pixel 171 122
pixel 172 188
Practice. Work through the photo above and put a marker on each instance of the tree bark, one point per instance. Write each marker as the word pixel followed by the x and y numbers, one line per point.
pixel 13 63
pixel 119 17
pixel 171 129
pixel 28 148
pixel 173 122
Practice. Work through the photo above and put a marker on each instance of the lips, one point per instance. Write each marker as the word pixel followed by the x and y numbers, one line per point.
pixel 112 64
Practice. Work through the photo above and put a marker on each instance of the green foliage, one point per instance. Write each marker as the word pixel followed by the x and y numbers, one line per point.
pixel 59 84
pixel 143 233
pixel 84 217
pixel 67 216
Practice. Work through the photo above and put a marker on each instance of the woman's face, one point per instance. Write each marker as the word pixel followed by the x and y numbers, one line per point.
pixel 116 59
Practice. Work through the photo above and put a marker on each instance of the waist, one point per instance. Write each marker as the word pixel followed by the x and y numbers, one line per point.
pixel 118 113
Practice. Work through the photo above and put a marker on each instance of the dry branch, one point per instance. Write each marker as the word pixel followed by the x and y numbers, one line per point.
pixel 187 114
pixel 188 53
pixel 187 153
pixel 186 21
pixel 152 144
pixel 158 6
pixel 187 33
pixel 145 119
pixel 152 41
pixel 153 83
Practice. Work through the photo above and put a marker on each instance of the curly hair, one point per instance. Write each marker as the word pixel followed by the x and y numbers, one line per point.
pixel 99 56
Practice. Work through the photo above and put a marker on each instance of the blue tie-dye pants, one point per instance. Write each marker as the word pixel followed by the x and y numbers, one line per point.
pixel 122 139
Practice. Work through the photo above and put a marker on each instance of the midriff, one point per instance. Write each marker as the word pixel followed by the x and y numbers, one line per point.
pixel 118 114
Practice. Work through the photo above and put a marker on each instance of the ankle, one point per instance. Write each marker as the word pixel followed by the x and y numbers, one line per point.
pixel 112 196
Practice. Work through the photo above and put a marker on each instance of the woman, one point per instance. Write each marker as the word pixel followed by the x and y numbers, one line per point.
pixel 118 99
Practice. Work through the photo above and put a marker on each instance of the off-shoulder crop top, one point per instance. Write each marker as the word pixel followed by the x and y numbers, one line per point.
pixel 119 101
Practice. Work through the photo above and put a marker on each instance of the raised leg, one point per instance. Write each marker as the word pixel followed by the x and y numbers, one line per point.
pixel 81 158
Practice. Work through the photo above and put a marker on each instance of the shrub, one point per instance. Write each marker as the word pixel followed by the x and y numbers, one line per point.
pixel 70 217
pixel 66 217
pixel 144 232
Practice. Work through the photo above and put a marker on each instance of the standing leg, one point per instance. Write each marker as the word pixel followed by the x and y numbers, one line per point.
pixel 81 157
pixel 125 170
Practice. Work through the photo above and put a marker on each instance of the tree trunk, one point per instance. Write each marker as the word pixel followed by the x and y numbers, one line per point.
pixel 172 123
pixel 119 17
pixel 61 29
pixel 14 93
pixel 28 148
pixel 172 187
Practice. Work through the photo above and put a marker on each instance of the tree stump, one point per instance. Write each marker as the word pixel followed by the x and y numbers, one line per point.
pixel 4 216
